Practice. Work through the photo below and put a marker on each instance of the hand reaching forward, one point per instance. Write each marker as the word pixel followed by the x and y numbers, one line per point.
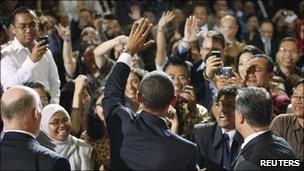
pixel 139 32
pixel 165 19
pixel 64 32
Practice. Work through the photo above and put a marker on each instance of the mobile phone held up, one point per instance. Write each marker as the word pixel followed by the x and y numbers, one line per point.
pixel 45 38
pixel 216 53
pixel 226 71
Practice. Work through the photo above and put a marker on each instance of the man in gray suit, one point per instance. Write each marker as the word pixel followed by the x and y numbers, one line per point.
pixel 252 119
pixel 19 149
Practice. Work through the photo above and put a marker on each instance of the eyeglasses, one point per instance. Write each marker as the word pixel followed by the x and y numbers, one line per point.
pixel 229 105
pixel 295 97
pixel 24 26
pixel 58 122
pixel 292 51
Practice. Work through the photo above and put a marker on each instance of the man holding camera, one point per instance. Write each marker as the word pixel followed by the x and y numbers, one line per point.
pixel 26 60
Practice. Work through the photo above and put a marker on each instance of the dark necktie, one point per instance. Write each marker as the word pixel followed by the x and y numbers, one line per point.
pixel 226 153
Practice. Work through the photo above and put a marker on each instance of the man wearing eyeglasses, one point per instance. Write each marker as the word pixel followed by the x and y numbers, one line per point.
pixel 25 59
pixel 287 58
pixel 291 126
pixel 189 112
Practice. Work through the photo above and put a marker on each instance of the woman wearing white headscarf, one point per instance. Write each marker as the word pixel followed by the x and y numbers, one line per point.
pixel 55 134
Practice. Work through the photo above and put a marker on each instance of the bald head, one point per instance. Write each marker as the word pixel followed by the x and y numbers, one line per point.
pixel 18 101
pixel 229 18
pixel 229 27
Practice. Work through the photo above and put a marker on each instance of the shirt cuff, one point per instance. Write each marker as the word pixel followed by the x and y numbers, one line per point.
pixel 125 58
pixel 183 47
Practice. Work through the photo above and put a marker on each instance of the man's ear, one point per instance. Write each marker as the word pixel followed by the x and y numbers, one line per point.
pixel 37 113
pixel 139 97
pixel 173 101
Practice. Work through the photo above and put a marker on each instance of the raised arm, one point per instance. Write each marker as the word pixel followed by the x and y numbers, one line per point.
pixel 67 53
pixel 101 50
pixel 190 35
pixel 161 52
pixel 116 83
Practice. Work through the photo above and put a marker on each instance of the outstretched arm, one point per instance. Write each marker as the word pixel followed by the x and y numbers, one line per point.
pixel 67 53
pixel 116 83
pixel 161 52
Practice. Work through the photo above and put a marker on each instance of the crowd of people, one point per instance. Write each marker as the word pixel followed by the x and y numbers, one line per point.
pixel 151 85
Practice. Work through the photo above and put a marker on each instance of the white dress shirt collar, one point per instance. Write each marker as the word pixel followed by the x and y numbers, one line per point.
pixel 230 135
pixel 250 137
pixel 21 131
pixel 18 45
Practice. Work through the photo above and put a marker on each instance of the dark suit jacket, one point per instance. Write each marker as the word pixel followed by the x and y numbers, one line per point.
pixel 20 151
pixel 264 146
pixel 142 142
pixel 274 46
pixel 209 151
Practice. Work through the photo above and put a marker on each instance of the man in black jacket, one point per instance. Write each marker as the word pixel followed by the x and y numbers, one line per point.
pixel 19 149
pixel 143 142
pixel 211 137
pixel 252 119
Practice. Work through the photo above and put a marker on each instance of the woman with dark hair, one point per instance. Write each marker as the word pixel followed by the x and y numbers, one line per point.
pixel 78 107
pixel 96 134
pixel 247 53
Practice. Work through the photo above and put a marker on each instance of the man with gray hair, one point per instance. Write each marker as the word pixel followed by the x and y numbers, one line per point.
pixel 21 114
pixel 252 119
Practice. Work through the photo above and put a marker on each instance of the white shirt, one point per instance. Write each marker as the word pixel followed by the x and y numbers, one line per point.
pixel 21 131
pixel 230 135
pixel 17 68
pixel 204 30
pixel 250 137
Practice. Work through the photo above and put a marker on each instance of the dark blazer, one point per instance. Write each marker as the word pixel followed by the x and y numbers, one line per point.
pixel 208 138
pixel 274 46
pixel 264 146
pixel 142 142
pixel 20 151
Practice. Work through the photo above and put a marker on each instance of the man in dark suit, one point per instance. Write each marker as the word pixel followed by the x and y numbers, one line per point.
pixel 252 119
pixel 212 146
pixel 143 142
pixel 267 42
pixel 20 111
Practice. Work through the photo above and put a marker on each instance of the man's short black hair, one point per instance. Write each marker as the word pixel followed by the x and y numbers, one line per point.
pixel 270 65
pixel 255 104
pixel 227 91
pixel 157 90
pixel 37 84
pixel 176 61
pixel 288 39
pixel 22 10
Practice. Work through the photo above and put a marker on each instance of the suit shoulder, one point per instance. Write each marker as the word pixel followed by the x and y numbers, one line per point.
pixel 45 153
pixel 204 126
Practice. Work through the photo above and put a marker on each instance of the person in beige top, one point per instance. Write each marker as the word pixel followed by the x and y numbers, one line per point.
pixel 291 126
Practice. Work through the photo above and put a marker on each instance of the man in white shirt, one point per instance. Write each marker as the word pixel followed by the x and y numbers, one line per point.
pixel 253 112
pixel 25 60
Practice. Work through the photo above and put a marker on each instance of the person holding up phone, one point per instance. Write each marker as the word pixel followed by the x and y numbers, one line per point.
pixel 25 59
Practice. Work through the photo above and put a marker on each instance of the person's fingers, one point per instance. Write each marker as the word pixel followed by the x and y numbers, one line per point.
pixel 143 27
pixel 40 48
pixel 134 27
pixel 148 30
pixel 140 25
pixel 148 44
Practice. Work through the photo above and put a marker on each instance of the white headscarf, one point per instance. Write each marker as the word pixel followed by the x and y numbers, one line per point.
pixel 76 150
